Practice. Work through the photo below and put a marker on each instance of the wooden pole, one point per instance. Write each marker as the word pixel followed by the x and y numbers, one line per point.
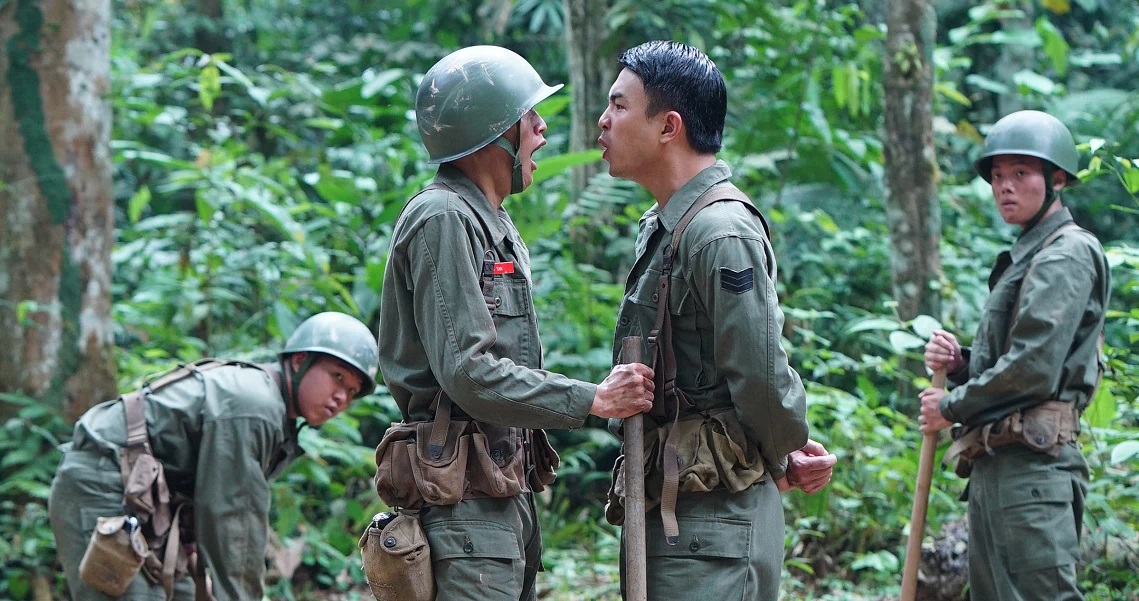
pixel 634 529
pixel 921 505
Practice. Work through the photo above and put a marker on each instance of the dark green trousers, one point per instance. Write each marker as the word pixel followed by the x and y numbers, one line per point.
pixel 730 548
pixel 1025 515
pixel 87 486
pixel 485 549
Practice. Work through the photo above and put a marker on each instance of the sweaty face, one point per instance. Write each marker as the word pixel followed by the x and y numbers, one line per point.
pixel 533 128
pixel 629 137
pixel 326 388
pixel 1018 186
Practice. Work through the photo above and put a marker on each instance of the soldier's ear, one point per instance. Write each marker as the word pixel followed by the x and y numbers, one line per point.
pixel 297 359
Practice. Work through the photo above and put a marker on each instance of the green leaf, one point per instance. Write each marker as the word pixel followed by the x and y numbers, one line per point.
pixel 882 561
pixel 986 84
pixel 924 325
pixel 903 341
pixel 209 85
pixel 138 202
pixel 951 93
pixel 1130 177
pixel 1102 410
pixel 1035 82
pixel 1092 59
pixel 549 167
pixel 874 323
pixel 1055 46
pixel 374 83
pixel 1124 451
pixel 839 84
pixel 324 123
pixel 1016 37
pixel 1095 144
pixel 206 209
pixel 553 106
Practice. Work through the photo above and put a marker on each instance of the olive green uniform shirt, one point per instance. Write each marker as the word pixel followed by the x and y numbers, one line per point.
pixel 726 321
pixel 221 438
pixel 436 329
pixel 1050 349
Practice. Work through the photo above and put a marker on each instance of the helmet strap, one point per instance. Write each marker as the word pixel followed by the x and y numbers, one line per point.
pixel 295 377
pixel 1049 197
pixel 512 150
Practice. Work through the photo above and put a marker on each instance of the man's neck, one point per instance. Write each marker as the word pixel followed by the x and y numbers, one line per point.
pixel 483 171
pixel 282 381
pixel 1052 210
pixel 669 175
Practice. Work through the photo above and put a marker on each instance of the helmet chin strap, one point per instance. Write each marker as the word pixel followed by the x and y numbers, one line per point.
pixel 1049 198
pixel 294 379
pixel 512 150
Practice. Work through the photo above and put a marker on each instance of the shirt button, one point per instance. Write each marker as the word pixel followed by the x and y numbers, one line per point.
pixel 498 301
pixel 625 321
pixel 389 542
pixel 468 548
pixel 496 454
pixel 655 297
pixel 695 546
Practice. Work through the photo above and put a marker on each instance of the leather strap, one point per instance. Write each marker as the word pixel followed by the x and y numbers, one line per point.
pixel 672 399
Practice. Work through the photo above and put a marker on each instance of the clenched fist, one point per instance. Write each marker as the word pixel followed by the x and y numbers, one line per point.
pixel 627 391
pixel 943 352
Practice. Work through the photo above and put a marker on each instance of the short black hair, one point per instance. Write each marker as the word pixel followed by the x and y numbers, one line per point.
pixel 680 78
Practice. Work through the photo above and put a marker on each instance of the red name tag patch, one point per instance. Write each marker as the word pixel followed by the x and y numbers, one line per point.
pixel 501 268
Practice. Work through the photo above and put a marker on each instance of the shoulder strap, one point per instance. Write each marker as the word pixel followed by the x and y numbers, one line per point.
pixel 664 358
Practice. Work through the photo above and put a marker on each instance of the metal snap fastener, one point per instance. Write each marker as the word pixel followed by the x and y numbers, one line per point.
pixel 1035 492
pixel 624 321
pixel 498 301
pixel 467 548
pixel 1039 439
pixel 695 545
pixel 496 454
pixel 655 297
pixel 389 542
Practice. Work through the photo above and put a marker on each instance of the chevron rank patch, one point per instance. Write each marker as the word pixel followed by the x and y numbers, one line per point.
pixel 737 281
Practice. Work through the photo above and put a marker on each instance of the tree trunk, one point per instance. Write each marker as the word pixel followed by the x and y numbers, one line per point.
pixel 912 209
pixel 58 216
pixel 592 66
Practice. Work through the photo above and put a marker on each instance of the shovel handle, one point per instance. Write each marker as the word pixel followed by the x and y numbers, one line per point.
pixel 633 448
pixel 921 505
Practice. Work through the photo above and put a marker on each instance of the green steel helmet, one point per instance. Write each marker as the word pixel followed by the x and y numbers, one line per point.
pixel 341 336
pixel 1034 134
pixel 472 96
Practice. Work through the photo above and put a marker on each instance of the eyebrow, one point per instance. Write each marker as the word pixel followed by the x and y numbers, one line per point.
pixel 615 96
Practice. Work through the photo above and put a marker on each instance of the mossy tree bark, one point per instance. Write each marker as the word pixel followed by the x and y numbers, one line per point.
pixel 57 229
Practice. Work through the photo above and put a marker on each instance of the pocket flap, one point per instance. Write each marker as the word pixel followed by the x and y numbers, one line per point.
pixel 701 537
pixel 511 297
pixel 1025 491
pixel 459 538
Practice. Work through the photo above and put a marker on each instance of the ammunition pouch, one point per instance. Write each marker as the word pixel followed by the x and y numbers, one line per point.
pixel 397 558
pixel 444 461
pixel 712 451
pixel 1045 428
pixel 116 552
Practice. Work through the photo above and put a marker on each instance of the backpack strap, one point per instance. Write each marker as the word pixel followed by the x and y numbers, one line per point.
pixel 664 357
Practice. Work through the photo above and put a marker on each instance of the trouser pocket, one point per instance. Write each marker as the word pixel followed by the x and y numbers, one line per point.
pixel 1039 521
pixel 475 560
pixel 711 560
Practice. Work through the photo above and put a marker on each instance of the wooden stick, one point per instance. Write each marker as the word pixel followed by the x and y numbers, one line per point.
pixel 634 450
pixel 921 505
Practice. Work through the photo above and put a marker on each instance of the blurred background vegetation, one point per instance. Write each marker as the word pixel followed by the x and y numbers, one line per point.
pixel 262 150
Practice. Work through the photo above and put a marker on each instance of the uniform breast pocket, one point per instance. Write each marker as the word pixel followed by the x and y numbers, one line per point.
pixel 514 322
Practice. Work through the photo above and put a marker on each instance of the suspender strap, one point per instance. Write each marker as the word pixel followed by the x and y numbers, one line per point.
pixel 664 358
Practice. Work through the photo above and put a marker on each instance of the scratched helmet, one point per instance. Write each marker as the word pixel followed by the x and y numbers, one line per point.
pixel 473 96
pixel 1034 134
pixel 341 336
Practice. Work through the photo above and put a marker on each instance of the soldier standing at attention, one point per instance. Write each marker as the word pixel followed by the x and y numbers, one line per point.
pixel 1033 367
pixel 189 459
pixel 730 431
pixel 460 350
